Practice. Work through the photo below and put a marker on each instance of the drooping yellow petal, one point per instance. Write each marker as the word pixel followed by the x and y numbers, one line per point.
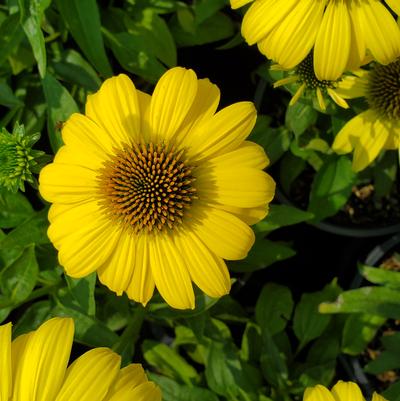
pixel 115 108
pixel 5 362
pixel 224 132
pixel 369 145
pixel 172 99
pixel 90 376
pixel 116 272
pixel 170 272
pixel 393 141
pixel 207 270
pixel 379 28
pixel 337 98
pixel 263 16
pixel 239 3
pixel 332 45
pixel 42 365
pixel 67 183
pixel 317 393
pixel 223 233
pixel 141 287
pixel 291 40
pixel 347 391
pixel 394 5
pixel 351 86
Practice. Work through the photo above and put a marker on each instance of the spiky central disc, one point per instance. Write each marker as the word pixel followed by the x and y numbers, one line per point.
pixel 306 74
pixel 147 186
pixel 383 92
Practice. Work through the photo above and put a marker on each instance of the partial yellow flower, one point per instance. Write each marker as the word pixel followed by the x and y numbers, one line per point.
pixel 304 77
pixel 34 367
pixel 341 33
pixel 341 391
pixel 157 190
pixel 377 128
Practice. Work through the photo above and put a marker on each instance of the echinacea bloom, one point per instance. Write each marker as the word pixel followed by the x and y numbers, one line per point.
pixel 377 128
pixel 157 190
pixel 341 391
pixel 34 367
pixel 341 33
pixel 304 77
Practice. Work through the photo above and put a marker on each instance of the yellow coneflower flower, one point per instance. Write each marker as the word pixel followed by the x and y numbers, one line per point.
pixel 157 190
pixel 304 76
pixel 377 128
pixel 341 391
pixel 342 33
pixel 34 367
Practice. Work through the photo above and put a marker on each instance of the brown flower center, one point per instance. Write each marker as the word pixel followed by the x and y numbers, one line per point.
pixel 147 186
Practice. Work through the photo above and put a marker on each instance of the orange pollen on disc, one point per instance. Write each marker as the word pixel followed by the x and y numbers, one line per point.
pixel 147 187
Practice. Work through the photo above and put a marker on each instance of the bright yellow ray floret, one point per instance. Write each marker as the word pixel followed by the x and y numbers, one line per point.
pixel 34 367
pixel 341 33
pixel 156 191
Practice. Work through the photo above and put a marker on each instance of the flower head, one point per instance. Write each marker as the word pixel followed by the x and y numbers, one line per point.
pixel 304 76
pixel 341 33
pixel 33 367
pixel 17 158
pixel 157 190
pixel 377 128
pixel 341 391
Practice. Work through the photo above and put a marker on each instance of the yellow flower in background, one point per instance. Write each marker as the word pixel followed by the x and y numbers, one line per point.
pixel 341 391
pixel 34 367
pixel 157 190
pixel 342 33
pixel 304 76
pixel 377 128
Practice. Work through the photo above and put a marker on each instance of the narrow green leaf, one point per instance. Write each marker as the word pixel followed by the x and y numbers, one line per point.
pixel 376 275
pixel 83 20
pixel 60 106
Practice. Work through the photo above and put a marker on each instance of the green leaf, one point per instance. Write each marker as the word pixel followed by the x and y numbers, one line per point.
pixel 60 106
pixel 290 167
pixel 204 9
pixel 308 323
pixel 31 16
pixel 14 208
pixel 300 117
pixel 82 290
pixel 173 391
pixel 32 318
pixel 380 301
pixel 169 362
pixel 376 275
pixel 7 97
pixel 19 278
pixel 331 187
pixel 83 21
pixel 263 254
pixel 358 331
pixel 11 35
pixel 251 343
pixel 274 308
pixel 393 392
pixel 280 216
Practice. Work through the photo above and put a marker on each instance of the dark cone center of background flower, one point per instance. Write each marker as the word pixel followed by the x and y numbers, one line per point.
pixel 147 187
pixel 383 92
pixel 306 74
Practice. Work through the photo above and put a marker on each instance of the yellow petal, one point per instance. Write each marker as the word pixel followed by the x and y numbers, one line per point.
pixel 141 287
pixel 263 16
pixel 144 100
pixel 332 45
pixel 248 215
pixel 381 33
pixel 145 392
pixel 347 391
pixel 357 41
pixel 224 132
pixel 351 86
pixel 393 141
pixel 292 40
pixel 128 378
pixel 337 98
pixel 239 3
pixel 170 272
pixel 377 397
pixel 90 376
pixel 317 393
pixel 115 108
pixel 66 183
pixel 394 5
pixel 17 349
pixel 171 101
pixel 207 270
pixel 5 362
pixel 236 186
pixel 223 233
pixel 42 365
pixel 116 272
pixel 369 145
